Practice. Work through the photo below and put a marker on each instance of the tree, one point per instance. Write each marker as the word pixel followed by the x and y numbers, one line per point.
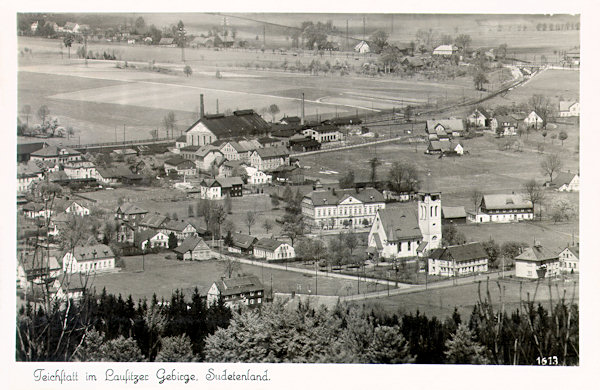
pixel 230 266
pixel 378 41
pixel 511 249
pixel 228 240
pixel 190 210
pixel 542 106
pixel 273 110
pixel 492 249
pixel 463 349
pixel 544 134
pixel 502 50
pixel 68 42
pixel 26 110
pixel 476 197
pixel 180 38
pixel 172 241
pixel 451 236
pixel 267 225
pixel 169 122
pixel 562 136
pixel 250 220
pixel 175 349
pixel 293 226
pixel 533 193
pixel 403 177
pixel 374 163
pixel 140 25
pixel 347 181
pixel 274 202
pixel 351 241
pixel 187 70
pixel 551 164
pixel 479 79
pixel 42 113
pixel 228 204
pixel 388 347
pixel 462 41
pixel 218 216
pixel 408 110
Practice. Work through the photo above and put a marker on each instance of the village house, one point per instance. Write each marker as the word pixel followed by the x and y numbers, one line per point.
pixel 502 208
pixel 112 175
pixel 444 147
pixel 210 189
pixel 152 221
pixel 342 208
pixel 193 248
pixel 568 108
pixel 455 215
pixel 231 186
pixel 125 232
pixel 533 120
pixel 180 166
pixel 236 292
pixel 231 150
pixel 291 120
pixel 56 154
pixel 270 142
pixel 269 158
pixel 505 125
pixel 537 263
pixel 304 145
pixel 24 150
pixel 150 238
pixel 130 212
pixel 362 47
pixel 36 210
pixel 180 142
pixel 80 170
pixel 242 243
pixel 257 177
pixel 564 182
pixel 479 118
pixel 79 208
pixel 458 260
pixel 182 229
pixel 288 174
pixel 167 42
pixel 569 259
pixel 269 249
pixel 36 267
pixel 232 168
pixel 88 259
pixel 26 175
pixel 345 125
pixel 404 232
pixel 210 128
pixel 323 133
pixel 445 50
pixel 203 156
pixel 444 129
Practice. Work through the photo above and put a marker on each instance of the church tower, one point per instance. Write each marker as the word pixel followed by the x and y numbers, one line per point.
pixel 430 214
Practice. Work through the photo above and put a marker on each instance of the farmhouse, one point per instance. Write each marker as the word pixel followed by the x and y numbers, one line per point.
pixel 479 118
pixel 152 221
pixel 340 208
pixel 180 166
pixel 182 229
pixel 269 158
pixel 242 243
pixel 288 174
pixel 565 181
pixel 445 50
pixel 505 125
pixel 210 128
pixel 502 208
pixel 533 120
pixel 362 47
pixel 80 170
pixel 256 177
pixel 537 263
pixel 204 157
pixel 36 267
pixel 323 133
pixel 444 128
pixel 125 232
pixel 78 208
pixel 269 249
pixel 235 292
pixel 193 248
pixel 568 108
pixel 27 174
pixel 24 150
pixel 36 210
pixel 231 186
pixel 56 154
pixel 210 189
pixel 93 258
pixel 168 42
pixel 130 212
pixel 291 120
pixel 150 238
pixel 404 232
pixel 111 175
pixel 454 215
pixel 458 260
pixel 569 259
pixel 69 287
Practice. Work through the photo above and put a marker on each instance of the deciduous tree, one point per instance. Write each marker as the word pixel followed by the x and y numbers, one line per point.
pixel 551 164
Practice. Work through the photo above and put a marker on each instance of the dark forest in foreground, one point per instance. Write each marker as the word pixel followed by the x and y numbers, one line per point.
pixel 108 328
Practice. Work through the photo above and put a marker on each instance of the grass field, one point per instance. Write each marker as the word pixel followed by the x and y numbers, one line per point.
pixel 162 276
pixel 441 302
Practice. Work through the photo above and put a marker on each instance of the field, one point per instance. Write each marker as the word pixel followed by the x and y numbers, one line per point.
pixel 441 302
pixel 162 276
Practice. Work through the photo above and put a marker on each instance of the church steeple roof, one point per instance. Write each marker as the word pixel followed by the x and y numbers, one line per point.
pixel 429 186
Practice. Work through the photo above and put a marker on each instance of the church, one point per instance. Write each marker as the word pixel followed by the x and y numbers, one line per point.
pixel 403 231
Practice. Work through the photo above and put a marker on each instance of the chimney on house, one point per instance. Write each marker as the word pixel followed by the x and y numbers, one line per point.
pixel 201 106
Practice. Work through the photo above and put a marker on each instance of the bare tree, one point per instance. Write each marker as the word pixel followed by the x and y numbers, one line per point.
pixel 534 193
pixel 267 225
pixel 230 266
pixel 476 197
pixel 250 220
pixel 26 110
pixel 169 122
pixel 374 163
pixel 43 113
pixel 551 164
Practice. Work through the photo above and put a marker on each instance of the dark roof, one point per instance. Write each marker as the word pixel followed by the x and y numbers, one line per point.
pixel 53 151
pixel 243 241
pixel 242 122
pixel 459 253
pixel 239 285
pixel 345 121
pixel 443 145
pixel 326 128
pixel 326 197
pixel 181 138
pixel 143 235
pixel 92 252
pixel 483 112
pixel 268 243
pixel 177 226
pixel 449 124
pixel 537 253
pixel 273 152
pixel 130 208
pixel 400 223
pixel 574 250
pixel 506 119
pixel 291 119
pixel 154 220
pixel 283 131
pixel 190 244
pixel 113 172
pixel 562 178
pixel 453 212
pixel 180 161
pixel 227 182
pixel 37 262
pixel 191 148
pixel 30 147
pixel 268 140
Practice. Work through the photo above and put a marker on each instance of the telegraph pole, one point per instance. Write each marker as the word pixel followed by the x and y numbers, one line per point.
pixel 123 132
pixel 347 46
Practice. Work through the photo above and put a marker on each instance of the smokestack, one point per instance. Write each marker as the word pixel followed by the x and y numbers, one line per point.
pixel 217 106
pixel 302 114
pixel 201 106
